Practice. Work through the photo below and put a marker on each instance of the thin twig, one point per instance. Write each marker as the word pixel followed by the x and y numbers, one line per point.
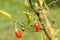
pixel 52 2
pixel 23 25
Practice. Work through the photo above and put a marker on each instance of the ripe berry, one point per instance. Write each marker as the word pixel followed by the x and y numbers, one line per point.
pixel 18 33
pixel 36 25
pixel 46 36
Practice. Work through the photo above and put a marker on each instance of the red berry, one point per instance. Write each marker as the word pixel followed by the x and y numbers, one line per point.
pixel 46 36
pixel 36 25
pixel 18 33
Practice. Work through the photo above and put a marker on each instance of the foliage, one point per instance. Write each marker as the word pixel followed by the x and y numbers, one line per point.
pixel 28 24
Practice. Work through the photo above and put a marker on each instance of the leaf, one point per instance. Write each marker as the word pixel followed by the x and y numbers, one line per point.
pixel 5 14
pixel 26 3
pixel 36 4
pixel 58 30
pixel 41 2
pixel 45 11
pixel 56 38
pixel 28 15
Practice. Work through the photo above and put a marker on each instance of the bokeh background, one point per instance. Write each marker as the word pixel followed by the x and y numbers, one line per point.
pixel 15 8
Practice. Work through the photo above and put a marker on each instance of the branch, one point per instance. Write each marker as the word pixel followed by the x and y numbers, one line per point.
pixel 24 26
pixel 21 24
pixel 37 13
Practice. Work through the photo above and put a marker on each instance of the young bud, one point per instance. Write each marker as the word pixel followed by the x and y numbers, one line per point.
pixel 23 29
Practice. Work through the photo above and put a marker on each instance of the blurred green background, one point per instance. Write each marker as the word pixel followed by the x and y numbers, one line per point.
pixel 15 8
